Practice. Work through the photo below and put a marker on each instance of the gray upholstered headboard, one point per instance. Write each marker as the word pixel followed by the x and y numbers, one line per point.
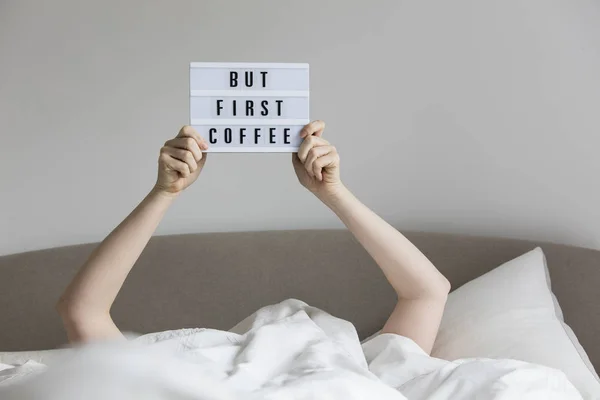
pixel 215 280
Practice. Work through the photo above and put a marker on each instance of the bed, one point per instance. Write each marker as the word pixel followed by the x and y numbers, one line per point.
pixel 217 279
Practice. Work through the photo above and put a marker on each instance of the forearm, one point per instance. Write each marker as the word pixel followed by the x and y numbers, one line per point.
pixel 410 273
pixel 97 284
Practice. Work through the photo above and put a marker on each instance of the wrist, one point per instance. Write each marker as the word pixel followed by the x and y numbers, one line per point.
pixel 333 194
pixel 158 192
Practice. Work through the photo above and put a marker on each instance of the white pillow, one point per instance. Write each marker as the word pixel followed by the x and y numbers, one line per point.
pixel 510 312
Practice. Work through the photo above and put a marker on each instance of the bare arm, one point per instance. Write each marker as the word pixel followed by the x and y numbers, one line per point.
pixel 421 289
pixel 85 304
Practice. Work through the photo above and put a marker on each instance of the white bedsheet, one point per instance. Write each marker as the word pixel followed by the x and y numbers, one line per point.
pixel 285 351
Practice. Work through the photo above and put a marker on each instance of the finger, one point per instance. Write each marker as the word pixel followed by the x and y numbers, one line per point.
pixel 309 143
pixel 175 165
pixel 315 128
pixel 182 155
pixel 188 131
pixel 314 154
pixel 186 143
pixel 323 162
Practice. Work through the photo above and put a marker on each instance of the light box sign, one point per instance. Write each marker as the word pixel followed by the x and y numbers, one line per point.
pixel 249 107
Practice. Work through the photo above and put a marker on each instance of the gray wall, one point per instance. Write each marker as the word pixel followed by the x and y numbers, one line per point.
pixel 462 116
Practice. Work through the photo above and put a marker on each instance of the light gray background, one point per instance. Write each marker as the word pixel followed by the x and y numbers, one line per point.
pixel 455 116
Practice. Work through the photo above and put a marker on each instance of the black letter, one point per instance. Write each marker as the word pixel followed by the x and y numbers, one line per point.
pixel 286 135
pixel 242 135
pixel 227 132
pixel 271 136
pixel 249 78
pixel 219 106
pixel 256 135
pixel 265 110
pixel 249 108
pixel 264 78
pixel 234 107
pixel 210 135
pixel 279 107
pixel 233 78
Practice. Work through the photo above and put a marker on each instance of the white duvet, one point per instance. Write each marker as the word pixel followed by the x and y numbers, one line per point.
pixel 285 351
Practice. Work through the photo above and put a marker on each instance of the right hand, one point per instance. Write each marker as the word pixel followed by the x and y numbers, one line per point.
pixel 180 161
pixel 317 163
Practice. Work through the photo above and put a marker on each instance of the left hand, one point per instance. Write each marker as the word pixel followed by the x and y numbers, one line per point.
pixel 317 163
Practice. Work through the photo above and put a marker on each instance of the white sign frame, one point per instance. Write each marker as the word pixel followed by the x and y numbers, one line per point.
pixel 253 121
